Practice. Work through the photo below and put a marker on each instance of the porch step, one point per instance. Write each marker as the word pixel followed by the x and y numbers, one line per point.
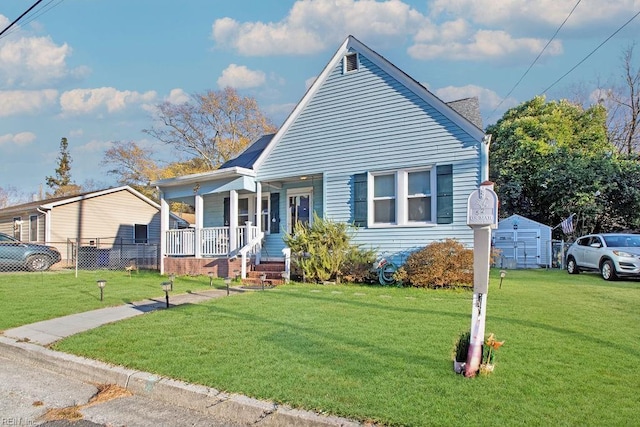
pixel 271 270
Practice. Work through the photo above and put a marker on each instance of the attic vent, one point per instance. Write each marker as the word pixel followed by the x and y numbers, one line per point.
pixel 351 62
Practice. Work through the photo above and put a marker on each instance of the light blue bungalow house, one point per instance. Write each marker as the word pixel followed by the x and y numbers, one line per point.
pixel 367 144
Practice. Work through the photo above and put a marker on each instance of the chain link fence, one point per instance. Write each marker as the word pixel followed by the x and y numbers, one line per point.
pixel 111 253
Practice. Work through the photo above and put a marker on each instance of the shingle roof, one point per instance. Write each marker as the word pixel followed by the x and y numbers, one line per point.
pixel 249 156
pixel 469 108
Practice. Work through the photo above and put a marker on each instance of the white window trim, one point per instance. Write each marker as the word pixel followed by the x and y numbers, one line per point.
pixel 402 198
pixel 37 228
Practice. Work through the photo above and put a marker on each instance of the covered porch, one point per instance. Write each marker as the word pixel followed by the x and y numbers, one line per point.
pixel 219 234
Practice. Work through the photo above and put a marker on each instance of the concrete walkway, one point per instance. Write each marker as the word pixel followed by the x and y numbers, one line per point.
pixel 49 331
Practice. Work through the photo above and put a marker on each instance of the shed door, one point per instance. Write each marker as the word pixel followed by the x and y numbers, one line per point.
pixel 521 247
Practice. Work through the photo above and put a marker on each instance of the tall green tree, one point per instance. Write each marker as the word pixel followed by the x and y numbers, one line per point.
pixel 552 159
pixel 61 184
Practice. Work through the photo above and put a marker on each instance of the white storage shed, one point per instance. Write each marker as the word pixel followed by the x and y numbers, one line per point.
pixel 522 242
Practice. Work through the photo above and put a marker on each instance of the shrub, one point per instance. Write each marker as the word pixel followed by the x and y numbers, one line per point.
pixel 323 251
pixel 358 265
pixel 444 263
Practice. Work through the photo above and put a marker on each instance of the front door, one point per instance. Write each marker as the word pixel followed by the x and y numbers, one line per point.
pixel 300 207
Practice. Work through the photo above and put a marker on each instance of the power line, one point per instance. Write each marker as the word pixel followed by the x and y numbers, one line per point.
pixel 20 17
pixel 592 52
pixel 536 59
pixel 43 9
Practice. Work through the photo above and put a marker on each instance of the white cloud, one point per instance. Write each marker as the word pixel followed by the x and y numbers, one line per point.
pixel 20 139
pixel 241 77
pixel 34 62
pixel 479 30
pixel 14 102
pixel 94 146
pixel 543 14
pixel 484 45
pixel 83 101
pixel 76 133
pixel 312 26
pixel 177 96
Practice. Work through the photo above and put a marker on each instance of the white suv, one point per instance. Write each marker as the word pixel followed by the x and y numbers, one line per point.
pixel 611 254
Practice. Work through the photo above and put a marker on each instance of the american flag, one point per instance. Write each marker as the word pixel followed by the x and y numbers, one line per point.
pixel 567 225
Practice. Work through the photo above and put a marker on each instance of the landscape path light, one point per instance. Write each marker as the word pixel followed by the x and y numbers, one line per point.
pixel 101 284
pixel 210 278
pixel 502 274
pixel 263 278
pixel 172 278
pixel 227 281
pixel 166 287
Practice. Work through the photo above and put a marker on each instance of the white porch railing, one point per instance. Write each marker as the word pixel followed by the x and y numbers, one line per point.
pixel 215 240
pixel 181 242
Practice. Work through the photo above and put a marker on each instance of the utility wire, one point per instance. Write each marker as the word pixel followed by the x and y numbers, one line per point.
pixel 41 11
pixel 592 52
pixel 15 21
pixel 535 60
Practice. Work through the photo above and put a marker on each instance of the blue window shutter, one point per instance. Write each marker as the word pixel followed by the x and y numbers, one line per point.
pixel 274 227
pixel 227 211
pixel 444 176
pixel 360 199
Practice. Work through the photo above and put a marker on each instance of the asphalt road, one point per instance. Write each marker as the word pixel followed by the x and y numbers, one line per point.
pixel 28 393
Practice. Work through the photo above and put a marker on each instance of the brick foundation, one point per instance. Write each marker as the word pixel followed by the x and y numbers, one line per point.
pixel 220 267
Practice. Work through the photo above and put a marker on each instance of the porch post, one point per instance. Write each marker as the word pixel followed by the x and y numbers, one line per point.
pixel 233 219
pixel 164 227
pixel 199 221
pixel 258 218
pixel 259 207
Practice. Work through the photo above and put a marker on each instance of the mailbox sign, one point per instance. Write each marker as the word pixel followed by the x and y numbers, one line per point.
pixel 482 208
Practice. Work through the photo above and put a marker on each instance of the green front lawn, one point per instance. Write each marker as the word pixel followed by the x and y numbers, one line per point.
pixel 384 354
pixel 31 297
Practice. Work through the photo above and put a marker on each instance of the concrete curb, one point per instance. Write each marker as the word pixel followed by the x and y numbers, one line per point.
pixel 231 408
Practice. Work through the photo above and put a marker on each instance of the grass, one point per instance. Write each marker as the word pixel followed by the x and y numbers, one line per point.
pixel 31 297
pixel 384 354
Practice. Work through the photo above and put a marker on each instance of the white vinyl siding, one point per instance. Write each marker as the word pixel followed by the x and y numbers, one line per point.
pixel 384 126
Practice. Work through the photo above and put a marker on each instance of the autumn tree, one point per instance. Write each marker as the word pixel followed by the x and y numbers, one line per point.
pixel 61 183
pixel 214 126
pixel 135 166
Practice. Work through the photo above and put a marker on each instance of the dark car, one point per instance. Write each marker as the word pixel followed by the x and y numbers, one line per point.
pixel 612 254
pixel 15 254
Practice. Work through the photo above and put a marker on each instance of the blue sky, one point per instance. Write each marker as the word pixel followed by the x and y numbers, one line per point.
pixel 93 70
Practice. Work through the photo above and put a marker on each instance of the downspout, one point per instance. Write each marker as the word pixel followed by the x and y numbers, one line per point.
pixel 484 158
pixel 47 226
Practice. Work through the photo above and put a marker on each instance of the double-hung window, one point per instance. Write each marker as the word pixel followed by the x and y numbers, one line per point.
pixel 402 197
pixel 384 199
pixel 419 196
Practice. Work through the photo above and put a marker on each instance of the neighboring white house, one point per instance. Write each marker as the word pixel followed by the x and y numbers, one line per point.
pixel 523 243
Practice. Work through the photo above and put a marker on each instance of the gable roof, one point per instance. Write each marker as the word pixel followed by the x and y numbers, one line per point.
pixel 49 204
pixel 351 44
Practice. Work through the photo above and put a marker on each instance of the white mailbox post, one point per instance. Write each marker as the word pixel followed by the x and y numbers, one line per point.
pixel 482 216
